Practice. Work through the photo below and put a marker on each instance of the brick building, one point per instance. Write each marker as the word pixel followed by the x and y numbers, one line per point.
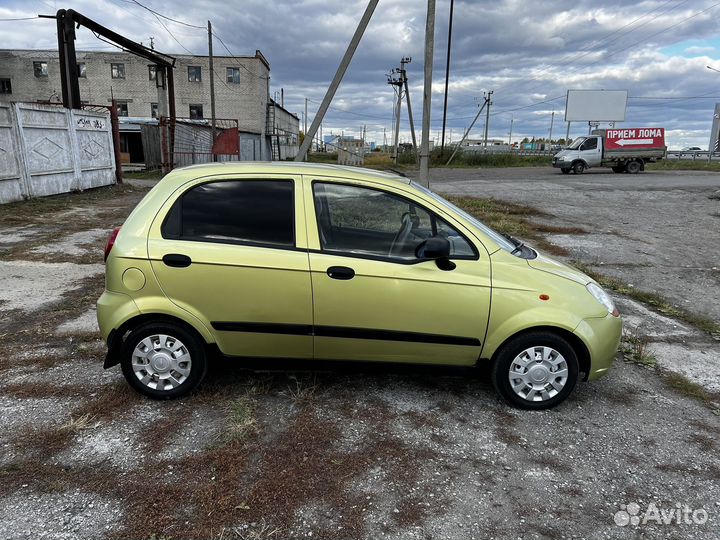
pixel 241 92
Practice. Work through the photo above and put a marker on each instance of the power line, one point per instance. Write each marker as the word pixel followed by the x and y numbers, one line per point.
pixel 158 14
pixel 21 19
pixel 236 59
pixel 621 50
pixel 528 106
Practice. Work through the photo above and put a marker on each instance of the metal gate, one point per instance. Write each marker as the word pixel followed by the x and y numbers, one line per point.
pixel 191 141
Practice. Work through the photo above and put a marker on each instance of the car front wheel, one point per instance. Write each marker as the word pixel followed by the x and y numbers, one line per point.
pixel 163 360
pixel 537 370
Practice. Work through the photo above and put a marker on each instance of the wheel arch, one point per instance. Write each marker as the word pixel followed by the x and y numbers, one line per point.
pixel 117 336
pixel 581 350
pixel 579 160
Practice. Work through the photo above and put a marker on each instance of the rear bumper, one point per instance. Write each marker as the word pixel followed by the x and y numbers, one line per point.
pixel 113 309
pixel 602 336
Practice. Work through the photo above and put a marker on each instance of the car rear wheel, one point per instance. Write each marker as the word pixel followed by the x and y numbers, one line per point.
pixel 578 167
pixel 537 370
pixel 163 360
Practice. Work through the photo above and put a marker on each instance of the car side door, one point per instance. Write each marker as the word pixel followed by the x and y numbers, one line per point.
pixel 373 299
pixel 591 151
pixel 232 252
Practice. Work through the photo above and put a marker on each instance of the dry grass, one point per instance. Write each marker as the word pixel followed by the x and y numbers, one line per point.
pixel 516 220
pixel 302 389
pixel 635 346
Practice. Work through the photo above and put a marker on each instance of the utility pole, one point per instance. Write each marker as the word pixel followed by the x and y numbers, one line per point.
pixel 344 63
pixel 395 79
pixel 305 130
pixel 567 134
pixel 467 132
pixel 427 95
pixel 488 102
pixel 552 120
pixel 409 105
pixel 212 86
pixel 447 76
pixel 511 126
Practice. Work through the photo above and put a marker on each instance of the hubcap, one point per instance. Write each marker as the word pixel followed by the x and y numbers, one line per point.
pixel 161 362
pixel 538 373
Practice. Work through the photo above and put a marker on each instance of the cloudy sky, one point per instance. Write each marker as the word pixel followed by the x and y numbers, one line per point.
pixel 529 53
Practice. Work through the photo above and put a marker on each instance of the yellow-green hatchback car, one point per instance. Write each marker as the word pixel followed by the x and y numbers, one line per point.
pixel 306 261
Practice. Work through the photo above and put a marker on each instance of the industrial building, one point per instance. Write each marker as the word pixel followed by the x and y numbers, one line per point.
pixel 267 130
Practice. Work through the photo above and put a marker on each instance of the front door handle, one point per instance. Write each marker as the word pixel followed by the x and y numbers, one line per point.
pixel 341 272
pixel 177 260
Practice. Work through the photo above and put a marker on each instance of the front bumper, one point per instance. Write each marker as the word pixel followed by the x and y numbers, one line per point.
pixel 602 336
pixel 561 164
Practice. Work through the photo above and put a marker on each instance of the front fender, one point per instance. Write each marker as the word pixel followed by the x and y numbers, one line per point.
pixel 501 329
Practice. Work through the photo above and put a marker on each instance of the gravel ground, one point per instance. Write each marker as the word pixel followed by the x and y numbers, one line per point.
pixel 345 452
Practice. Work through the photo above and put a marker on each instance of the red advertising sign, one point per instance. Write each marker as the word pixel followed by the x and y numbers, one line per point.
pixel 631 138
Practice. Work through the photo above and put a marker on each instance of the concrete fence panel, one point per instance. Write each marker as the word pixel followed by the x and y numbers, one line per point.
pixel 12 184
pixel 55 150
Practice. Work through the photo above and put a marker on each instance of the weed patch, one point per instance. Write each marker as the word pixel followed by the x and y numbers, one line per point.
pixel 635 347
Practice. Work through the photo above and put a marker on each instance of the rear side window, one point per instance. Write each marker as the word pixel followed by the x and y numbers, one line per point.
pixel 235 211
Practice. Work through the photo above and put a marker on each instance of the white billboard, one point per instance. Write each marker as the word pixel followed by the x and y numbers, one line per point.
pixel 596 105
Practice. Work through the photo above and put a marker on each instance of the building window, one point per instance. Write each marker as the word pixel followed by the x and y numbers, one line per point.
pixel 5 86
pixel 40 69
pixel 122 108
pixel 154 110
pixel 196 112
pixel 233 75
pixel 81 70
pixel 194 73
pixel 152 72
pixel 117 71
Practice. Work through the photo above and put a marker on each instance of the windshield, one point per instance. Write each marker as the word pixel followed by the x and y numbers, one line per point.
pixel 499 239
pixel 576 143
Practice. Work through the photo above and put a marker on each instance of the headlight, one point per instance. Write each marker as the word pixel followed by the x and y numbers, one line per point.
pixel 604 298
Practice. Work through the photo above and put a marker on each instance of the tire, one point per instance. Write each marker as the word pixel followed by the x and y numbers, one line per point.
pixel 633 167
pixel 556 356
pixel 565 170
pixel 618 169
pixel 165 340
pixel 578 167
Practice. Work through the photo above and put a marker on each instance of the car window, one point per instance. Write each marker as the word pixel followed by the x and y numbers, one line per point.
pixel 235 211
pixel 366 221
pixel 589 144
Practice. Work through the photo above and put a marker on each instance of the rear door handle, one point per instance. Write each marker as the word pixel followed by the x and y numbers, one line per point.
pixel 341 272
pixel 177 260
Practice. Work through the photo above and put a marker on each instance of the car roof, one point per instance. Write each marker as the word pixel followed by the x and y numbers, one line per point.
pixel 286 167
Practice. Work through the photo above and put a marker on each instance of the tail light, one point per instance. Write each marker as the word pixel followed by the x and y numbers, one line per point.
pixel 111 241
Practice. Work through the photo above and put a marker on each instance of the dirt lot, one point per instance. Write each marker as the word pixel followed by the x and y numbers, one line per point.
pixel 357 452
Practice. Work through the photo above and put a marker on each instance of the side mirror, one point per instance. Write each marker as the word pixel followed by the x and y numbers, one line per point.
pixel 436 248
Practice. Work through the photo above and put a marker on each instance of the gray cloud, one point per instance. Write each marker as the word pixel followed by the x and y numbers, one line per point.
pixel 527 52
